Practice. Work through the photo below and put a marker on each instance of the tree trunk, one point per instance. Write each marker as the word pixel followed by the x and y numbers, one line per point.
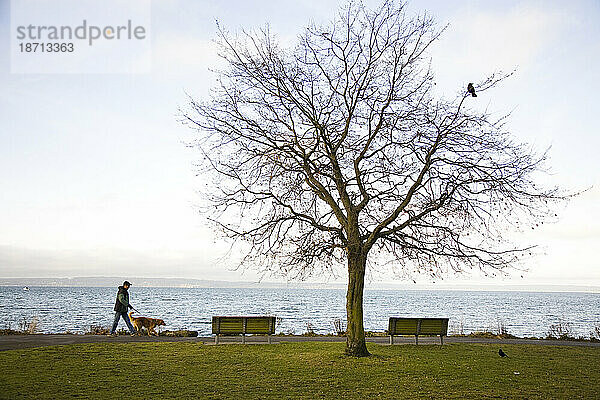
pixel 355 339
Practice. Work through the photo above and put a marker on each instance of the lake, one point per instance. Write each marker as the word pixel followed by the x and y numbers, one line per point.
pixel 74 309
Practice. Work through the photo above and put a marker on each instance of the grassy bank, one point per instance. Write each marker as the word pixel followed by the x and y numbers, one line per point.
pixel 298 370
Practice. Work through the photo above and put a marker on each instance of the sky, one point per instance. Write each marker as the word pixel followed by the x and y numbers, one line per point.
pixel 96 180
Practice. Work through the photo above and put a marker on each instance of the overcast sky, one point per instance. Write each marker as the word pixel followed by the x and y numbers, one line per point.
pixel 95 179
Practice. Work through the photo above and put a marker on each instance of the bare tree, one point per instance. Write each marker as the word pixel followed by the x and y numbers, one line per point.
pixel 337 151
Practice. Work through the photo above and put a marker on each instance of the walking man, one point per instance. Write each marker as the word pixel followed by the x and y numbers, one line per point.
pixel 121 307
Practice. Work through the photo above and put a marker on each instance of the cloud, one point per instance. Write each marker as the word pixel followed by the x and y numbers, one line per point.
pixel 578 222
pixel 184 55
pixel 480 41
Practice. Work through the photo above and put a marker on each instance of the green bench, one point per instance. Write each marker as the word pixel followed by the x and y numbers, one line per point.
pixel 418 326
pixel 243 326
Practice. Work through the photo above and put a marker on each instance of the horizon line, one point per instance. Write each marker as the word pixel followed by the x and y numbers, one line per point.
pixel 212 283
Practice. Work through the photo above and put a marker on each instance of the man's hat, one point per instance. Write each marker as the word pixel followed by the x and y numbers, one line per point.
pixel 126 283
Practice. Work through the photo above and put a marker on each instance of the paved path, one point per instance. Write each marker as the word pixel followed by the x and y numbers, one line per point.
pixel 12 342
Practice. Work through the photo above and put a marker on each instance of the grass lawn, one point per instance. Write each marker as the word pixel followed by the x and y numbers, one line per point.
pixel 299 370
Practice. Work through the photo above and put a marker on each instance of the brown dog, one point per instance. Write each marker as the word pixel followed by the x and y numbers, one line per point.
pixel 148 323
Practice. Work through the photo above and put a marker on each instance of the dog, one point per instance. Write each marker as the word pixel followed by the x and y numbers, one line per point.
pixel 148 323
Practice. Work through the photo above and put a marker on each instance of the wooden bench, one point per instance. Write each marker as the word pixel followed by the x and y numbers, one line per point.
pixel 418 326
pixel 243 326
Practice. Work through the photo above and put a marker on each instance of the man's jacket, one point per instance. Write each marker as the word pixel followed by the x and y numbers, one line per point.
pixel 122 303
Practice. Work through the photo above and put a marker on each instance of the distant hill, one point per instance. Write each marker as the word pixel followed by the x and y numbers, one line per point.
pixel 155 282
pixel 105 281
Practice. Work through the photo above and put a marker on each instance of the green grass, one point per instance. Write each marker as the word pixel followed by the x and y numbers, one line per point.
pixel 299 370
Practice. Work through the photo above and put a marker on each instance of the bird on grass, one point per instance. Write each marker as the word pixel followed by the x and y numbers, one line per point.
pixel 471 90
pixel 502 354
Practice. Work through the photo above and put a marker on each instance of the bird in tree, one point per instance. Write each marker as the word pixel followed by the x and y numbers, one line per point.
pixel 471 89
pixel 502 353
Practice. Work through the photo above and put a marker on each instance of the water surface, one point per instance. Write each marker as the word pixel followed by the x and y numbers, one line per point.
pixel 74 309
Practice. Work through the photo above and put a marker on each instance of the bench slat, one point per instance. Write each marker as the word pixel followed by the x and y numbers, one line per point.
pixel 432 327
pixel 243 325
pixel 255 325
pixel 418 326
pixel 405 326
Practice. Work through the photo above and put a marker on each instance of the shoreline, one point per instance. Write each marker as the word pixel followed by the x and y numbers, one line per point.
pixel 575 289
pixel 16 342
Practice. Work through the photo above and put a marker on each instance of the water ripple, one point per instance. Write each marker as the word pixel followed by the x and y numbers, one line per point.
pixel 522 313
